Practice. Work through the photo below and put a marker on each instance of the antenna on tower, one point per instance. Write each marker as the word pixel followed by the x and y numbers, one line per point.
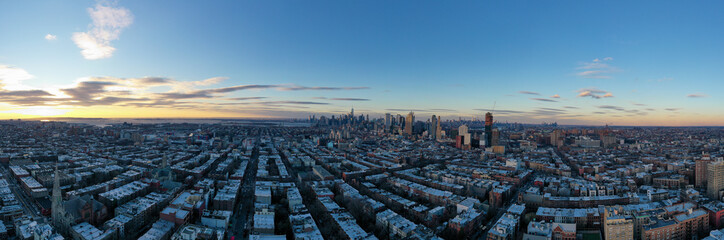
pixel 494 102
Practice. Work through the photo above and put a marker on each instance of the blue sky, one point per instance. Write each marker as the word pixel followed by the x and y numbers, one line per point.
pixel 618 62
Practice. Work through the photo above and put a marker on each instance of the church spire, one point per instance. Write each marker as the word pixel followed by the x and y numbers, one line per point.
pixel 58 213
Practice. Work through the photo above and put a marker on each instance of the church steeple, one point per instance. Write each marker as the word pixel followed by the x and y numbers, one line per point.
pixel 58 211
pixel 57 197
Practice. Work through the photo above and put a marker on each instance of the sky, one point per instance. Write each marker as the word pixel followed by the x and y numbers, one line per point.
pixel 653 63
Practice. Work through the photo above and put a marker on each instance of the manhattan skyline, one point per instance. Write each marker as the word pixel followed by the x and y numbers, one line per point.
pixel 645 63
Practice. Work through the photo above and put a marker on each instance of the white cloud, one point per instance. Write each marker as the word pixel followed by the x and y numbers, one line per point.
pixel 11 77
pixel 50 37
pixel 108 21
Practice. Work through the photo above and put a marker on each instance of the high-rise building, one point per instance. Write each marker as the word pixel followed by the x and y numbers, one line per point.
pixel 489 129
pixel 557 138
pixel 495 137
pixel 700 171
pixel 715 179
pixel 438 130
pixel 388 121
pixel 409 121
pixel 463 131
pixel 433 127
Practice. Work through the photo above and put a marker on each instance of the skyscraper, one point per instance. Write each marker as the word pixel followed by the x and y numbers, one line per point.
pixel 489 129
pixel 700 171
pixel 714 179
pixel 438 130
pixel 388 121
pixel 433 127
pixel 408 123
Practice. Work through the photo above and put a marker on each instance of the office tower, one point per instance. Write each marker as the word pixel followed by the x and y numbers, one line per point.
pixel 388 121
pixel 408 123
pixel 438 130
pixel 489 129
pixel 715 179
pixel 700 171
pixel 433 127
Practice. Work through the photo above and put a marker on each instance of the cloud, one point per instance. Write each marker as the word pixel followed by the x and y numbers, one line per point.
pixel 593 74
pixel 697 95
pixel 50 37
pixel 107 23
pixel 292 102
pixel 596 69
pixel 617 108
pixel 11 77
pixel 299 88
pixel 246 98
pixel 570 107
pixel 349 99
pixel 556 96
pixel 543 100
pixel 594 93
pixel 497 110
pixel 528 92
pixel 672 109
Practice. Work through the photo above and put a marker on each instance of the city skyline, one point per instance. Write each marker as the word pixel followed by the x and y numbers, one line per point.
pixel 618 63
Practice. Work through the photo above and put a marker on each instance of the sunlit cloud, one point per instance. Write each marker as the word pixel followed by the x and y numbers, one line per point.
pixel 11 77
pixel 107 23
pixel 556 96
pixel 38 111
pixel 594 93
pixel 50 37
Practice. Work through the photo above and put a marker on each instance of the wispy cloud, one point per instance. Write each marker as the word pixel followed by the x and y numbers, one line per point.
pixel 50 37
pixel 528 92
pixel 300 88
pixel 349 99
pixel 617 108
pixel 107 23
pixel 246 98
pixel 556 96
pixel 672 109
pixel 594 93
pixel 597 69
pixel 697 95
pixel 544 100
